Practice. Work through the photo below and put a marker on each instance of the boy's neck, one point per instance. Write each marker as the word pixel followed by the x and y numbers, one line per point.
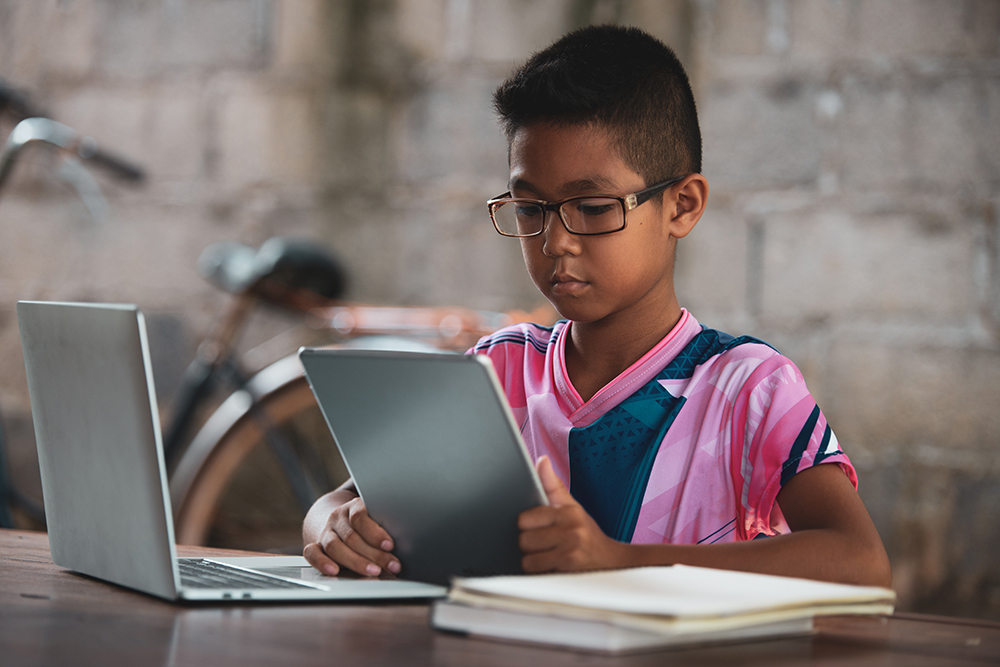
pixel 598 352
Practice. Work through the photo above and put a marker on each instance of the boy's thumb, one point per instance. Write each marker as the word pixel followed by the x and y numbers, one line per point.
pixel 555 490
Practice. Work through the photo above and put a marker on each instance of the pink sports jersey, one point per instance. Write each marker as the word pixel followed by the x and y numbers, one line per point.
pixel 689 445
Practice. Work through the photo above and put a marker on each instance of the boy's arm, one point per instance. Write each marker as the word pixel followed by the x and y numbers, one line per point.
pixel 337 531
pixel 832 537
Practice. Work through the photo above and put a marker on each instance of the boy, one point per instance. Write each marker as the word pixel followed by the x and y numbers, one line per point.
pixel 657 440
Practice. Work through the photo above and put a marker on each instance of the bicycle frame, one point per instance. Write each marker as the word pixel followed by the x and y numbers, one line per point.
pixel 216 361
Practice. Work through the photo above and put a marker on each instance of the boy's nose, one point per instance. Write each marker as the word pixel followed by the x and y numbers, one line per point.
pixel 558 240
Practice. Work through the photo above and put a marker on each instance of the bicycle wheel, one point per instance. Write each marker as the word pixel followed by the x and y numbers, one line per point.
pixel 228 489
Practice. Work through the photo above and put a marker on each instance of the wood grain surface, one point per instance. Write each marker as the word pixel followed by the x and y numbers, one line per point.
pixel 50 616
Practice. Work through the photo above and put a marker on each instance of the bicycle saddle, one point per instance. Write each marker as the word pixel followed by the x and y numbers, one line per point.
pixel 280 268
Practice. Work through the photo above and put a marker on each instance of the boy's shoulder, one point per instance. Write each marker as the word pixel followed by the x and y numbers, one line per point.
pixel 708 343
pixel 740 356
pixel 523 335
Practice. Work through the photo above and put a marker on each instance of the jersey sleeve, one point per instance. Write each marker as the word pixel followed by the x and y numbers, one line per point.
pixel 778 431
pixel 518 353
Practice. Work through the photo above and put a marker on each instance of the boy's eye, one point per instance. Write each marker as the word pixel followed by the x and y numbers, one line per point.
pixel 596 207
pixel 528 210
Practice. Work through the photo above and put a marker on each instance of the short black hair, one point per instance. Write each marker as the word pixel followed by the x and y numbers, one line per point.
pixel 621 79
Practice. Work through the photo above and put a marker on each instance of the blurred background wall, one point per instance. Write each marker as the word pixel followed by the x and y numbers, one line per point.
pixel 852 147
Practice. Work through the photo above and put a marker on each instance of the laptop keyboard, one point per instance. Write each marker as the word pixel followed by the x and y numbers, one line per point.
pixel 197 573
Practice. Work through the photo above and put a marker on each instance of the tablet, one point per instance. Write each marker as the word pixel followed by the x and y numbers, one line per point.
pixel 434 451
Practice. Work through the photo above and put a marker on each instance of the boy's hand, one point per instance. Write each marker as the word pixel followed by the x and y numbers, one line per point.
pixel 353 540
pixel 562 536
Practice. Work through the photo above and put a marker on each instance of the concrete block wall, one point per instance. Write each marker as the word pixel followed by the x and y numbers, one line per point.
pixel 851 147
pixel 852 151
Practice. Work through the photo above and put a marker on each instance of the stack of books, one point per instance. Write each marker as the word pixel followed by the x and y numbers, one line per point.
pixel 637 609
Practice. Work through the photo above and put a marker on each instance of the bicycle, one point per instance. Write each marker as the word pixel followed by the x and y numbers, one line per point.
pixel 266 445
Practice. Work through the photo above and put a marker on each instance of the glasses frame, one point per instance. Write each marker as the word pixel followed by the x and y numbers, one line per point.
pixel 628 202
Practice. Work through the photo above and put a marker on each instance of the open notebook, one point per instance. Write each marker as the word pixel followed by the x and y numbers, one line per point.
pixel 107 504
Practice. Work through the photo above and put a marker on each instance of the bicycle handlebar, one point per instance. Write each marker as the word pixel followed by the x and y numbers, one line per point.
pixel 57 134
pixel 16 103
pixel 123 169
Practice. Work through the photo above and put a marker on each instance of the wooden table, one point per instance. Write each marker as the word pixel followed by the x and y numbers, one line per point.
pixel 49 616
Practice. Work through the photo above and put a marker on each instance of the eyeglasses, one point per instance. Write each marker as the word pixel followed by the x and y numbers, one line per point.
pixel 586 215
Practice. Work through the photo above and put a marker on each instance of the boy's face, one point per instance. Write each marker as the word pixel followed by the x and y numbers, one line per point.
pixel 626 274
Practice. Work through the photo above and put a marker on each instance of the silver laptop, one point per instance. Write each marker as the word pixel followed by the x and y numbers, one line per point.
pixel 107 504
pixel 435 453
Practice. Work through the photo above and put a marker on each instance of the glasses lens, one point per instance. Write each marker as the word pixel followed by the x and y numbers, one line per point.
pixel 593 215
pixel 519 218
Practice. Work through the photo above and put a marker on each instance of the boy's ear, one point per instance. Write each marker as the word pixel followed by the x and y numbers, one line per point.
pixel 691 198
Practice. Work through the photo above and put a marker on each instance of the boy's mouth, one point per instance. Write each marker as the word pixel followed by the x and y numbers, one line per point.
pixel 567 284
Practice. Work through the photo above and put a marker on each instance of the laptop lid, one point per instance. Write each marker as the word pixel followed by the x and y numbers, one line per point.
pixel 435 453
pixel 97 432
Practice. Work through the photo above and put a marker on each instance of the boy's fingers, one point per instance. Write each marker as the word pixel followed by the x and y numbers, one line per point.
pixel 534 541
pixel 318 559
pixel 543 561
pixel 370 539
pixel 374 555
pixel 537 517
pixel 355 541
pixel 555 490
pixel 370 531
pixel 351 559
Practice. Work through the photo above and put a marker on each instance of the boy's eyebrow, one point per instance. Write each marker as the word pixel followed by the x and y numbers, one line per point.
pixel 596 184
